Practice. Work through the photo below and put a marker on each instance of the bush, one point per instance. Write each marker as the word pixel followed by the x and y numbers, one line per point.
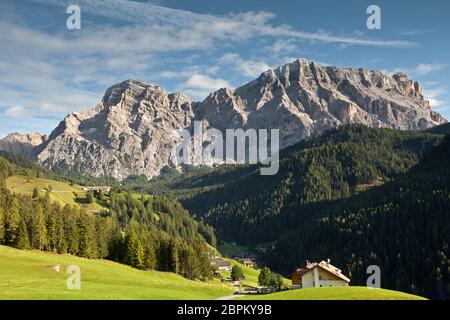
pixel 237 273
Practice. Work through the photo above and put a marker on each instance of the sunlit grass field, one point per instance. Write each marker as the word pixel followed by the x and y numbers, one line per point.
pixel 336 293
pixel 27 275
pixel 61 192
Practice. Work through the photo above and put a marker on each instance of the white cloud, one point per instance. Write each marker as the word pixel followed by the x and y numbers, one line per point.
pixel 54 73
pixel 422 69
pixel 16 112
pixel 426 68
pixel 198 81
pixel 247 67
pixel 416 32
pixel 433 95
pixel 199 86
pixel 234 26
pixel 283 46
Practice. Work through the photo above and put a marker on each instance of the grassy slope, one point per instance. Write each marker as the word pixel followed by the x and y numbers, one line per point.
pixel 62 193
pixel 25 275
pixel 250 274
pixel 336 293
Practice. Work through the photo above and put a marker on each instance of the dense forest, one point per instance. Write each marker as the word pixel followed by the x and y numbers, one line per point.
pixel 402 226
pixel 357 195
pixel 146 232
pixel 336 165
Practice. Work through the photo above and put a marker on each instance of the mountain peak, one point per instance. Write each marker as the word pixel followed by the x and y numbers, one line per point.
pixel 129 132
pixel 22 143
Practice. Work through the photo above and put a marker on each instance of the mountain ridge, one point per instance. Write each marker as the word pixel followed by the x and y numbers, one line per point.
pixel 130 132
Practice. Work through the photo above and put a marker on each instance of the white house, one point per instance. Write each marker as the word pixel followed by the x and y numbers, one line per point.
pixel 316 275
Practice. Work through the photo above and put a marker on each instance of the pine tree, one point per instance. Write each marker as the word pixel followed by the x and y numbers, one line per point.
pixel 2 223
pixel 22 241
pixel 71 229
pixel 87 238
pixel 12 221
pixel 172 255
pixel 150 256
pixel 104 227
pixel 51 226
pixel 135 253
pixel 61 241
pixel 38 228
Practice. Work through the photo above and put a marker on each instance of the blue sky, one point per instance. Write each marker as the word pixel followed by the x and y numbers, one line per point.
pixel 47 71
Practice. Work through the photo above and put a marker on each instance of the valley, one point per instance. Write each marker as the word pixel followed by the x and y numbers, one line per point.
pixel 362 178
pixel 224 150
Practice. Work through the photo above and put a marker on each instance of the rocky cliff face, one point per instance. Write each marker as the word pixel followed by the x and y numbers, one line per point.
pixel 22 143
pixel 130 131
pixel 304 98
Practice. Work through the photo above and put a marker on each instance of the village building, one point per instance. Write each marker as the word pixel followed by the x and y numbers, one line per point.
pixel 247 262
pixel 316 275
pixel 221 264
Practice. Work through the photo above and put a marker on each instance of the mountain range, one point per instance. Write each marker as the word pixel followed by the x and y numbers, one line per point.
pixel 130 132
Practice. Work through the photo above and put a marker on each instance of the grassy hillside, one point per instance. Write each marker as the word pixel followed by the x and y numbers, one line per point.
pixel 60 192
pixel 26 275
pixel 336 293
pixel 250 274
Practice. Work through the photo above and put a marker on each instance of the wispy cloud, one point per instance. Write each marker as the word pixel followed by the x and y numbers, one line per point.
pixel 427 68
pixel 421 69
pixel 52 72
pixel 417 32
pixel 247 67
pixel 435 96
pixel 199 86
pixel 238 26
pixel 16 112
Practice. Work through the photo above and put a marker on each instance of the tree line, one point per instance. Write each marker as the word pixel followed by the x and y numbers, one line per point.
pixel 147 232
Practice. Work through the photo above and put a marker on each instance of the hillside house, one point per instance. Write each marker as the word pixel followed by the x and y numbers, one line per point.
pixel 247 262
pixel 221 264
pixel 316 275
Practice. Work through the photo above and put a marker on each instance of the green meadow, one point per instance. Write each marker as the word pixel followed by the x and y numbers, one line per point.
pixel 28 275
pixel 61 192
pixel 335 293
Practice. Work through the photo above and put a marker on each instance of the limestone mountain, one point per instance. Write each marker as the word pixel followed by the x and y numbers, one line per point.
pixel 304 98
pixel 130 131
pixel 22 143
pixel 127 133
